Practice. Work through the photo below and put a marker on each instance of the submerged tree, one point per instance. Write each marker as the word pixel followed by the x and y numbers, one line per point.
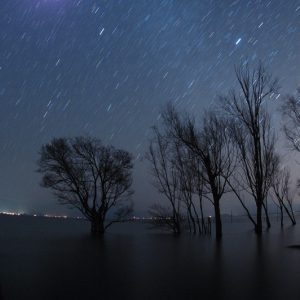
pixel 255 140
pixel 199 190
pixel 212 148
pixel 282 194
pixel 85 174
pixel 177 175
pixel 184 162
pixel 166 181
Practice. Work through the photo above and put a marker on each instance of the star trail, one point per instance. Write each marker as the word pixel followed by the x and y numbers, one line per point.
pixel 107 68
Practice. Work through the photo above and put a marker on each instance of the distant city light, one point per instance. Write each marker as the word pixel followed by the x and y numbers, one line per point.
pixel 9 213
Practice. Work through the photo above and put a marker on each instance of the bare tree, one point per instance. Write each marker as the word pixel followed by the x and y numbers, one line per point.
pixel 89 176
pixel 166 181
pixel 199 190
pixel 184 162
pixel 291 113
pixel 282 193
pixel 253 136
pixel 211 145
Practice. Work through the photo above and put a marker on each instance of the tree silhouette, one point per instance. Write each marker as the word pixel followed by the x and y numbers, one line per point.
pixel 166 181
pixel 282 193
pixel 85 174
pixel 212 147
pixel 253 136
pixel 184 162
pixel 291 113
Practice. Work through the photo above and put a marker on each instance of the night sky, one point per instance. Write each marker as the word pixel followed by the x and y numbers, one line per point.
pixel 106 68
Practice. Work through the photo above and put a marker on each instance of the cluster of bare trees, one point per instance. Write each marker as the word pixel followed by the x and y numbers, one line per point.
pixel 232 150
pixel 282 194
pixel 177 175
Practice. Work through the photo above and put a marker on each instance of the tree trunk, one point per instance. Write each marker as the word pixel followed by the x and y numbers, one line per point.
pixel 218 221
pixel 177 223
pixel 177 229
pixel 97 226
pixel 202 214
pixel 189 223
pixel 290 214
pixel 258 226
pixel 197 220
pixel 281 216
pixel 267 215
pixel 192 220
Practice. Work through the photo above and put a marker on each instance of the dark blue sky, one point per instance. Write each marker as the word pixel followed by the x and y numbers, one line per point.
pixel 106 68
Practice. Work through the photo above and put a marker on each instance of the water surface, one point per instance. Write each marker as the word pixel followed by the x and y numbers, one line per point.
pixel 57 259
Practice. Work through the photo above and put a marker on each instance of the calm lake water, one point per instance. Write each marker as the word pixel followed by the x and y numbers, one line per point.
pixel 57 259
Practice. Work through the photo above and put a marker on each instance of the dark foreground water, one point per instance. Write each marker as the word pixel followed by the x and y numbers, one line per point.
pixel 57 259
